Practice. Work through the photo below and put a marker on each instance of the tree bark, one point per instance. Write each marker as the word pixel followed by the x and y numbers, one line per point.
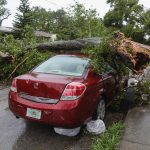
pixel 77 44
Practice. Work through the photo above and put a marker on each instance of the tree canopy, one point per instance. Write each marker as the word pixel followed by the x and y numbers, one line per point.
pixel 75 22
pixel 23 17
pixel 129 17
pixel 122 12
pixel 85 22
pixel 146 22
pixel 4 12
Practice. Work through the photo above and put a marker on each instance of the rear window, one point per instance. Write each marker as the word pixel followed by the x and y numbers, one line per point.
pixel 63 65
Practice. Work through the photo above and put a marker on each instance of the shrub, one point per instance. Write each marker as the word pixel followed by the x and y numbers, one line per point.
pixel 143 88
pixel 23 60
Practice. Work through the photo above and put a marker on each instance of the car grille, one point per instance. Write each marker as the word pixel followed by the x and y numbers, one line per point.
pixel 38 99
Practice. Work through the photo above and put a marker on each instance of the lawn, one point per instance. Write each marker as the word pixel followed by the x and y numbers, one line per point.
pixel 110 139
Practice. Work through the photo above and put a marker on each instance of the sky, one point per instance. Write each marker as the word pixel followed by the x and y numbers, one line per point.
pixel 99 5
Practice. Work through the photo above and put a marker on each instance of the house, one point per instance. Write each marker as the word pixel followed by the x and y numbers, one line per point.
pixel 51 36
pixel 39 34
pixel 6 29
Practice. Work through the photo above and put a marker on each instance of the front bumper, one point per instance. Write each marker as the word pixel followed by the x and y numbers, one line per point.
pixel 63 114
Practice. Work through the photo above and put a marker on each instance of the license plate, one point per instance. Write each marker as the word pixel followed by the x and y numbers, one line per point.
pixel 33 113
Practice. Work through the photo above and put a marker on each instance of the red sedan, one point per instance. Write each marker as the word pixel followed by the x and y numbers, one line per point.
pixel 63 92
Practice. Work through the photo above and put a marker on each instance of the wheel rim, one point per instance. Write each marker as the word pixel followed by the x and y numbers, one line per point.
pixel 101 110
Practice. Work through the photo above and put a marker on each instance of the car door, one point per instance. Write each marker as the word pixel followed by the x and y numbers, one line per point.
pixel 94 89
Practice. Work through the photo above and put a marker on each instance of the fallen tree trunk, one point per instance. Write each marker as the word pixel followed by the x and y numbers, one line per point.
pixel 77 44
pixel 60 45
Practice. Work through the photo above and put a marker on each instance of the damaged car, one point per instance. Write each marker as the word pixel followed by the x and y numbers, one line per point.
pixel 63 91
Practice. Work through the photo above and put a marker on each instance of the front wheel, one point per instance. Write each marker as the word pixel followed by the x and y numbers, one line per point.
pixel 100 111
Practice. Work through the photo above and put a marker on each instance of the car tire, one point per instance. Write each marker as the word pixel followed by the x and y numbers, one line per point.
pixel 100 110
pixel 129 99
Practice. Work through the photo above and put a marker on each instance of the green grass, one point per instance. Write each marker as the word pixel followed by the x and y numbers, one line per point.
pixel 110 139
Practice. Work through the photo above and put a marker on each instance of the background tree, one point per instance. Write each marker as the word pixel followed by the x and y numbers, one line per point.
pixel 62 22
pixel 84 22
pixel 42 19
pixel 75 22
pixel 146 25
pixel 23 17
pixel 4 12
pixel 127 16
pixel 51 21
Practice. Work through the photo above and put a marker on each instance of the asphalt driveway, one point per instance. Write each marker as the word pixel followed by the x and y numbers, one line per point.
pixel 18 134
